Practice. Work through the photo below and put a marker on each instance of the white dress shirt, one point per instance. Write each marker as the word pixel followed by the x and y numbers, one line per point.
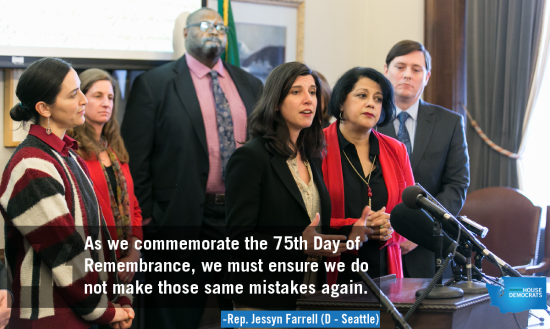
pixel 410 123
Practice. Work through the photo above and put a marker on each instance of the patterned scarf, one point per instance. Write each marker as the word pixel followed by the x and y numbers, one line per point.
pixel 121 205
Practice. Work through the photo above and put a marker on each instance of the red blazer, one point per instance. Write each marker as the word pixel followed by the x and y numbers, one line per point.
pixel 102 192
pixel 397 173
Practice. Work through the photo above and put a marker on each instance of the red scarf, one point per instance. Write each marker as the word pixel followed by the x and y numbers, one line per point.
pixel 397 173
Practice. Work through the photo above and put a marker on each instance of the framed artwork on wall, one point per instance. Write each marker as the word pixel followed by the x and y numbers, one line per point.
pixel 269 33
pixel 13 132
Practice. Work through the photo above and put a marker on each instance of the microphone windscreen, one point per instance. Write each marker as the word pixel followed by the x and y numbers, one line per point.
pixel 417 226
pixel 410 194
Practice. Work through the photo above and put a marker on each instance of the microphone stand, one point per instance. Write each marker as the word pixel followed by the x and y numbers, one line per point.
pixel 478 263
pixel 385 301
pixel 469 286
pixel 479 247
pixel 457 273
pixel 440 291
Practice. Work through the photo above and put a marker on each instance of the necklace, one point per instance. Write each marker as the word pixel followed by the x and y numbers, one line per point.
pixel 368 178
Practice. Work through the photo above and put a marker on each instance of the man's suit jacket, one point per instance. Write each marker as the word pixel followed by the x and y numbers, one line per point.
pixel 163 130
pixel 263 201
pixel 440 163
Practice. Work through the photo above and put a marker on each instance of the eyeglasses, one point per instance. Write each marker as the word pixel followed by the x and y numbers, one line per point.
pixel 206 26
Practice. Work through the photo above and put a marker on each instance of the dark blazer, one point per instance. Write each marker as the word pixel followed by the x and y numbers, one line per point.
pixel 262 201
pixel 3 276
pixel 164 134
pixel 440 163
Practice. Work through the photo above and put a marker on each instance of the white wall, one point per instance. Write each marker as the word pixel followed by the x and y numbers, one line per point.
pixel 341 34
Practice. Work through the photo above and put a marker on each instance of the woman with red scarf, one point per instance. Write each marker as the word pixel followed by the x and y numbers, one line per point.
pixel 102 147
pixel 365 171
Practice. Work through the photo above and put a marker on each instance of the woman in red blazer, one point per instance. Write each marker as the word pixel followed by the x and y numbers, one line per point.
pixel 365 172
pixel 102 148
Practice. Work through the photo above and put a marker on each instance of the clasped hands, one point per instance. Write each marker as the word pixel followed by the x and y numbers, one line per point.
pixel 123 317
pixel 373 225
pixel 379 221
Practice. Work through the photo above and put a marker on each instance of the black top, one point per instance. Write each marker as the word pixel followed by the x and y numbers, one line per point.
pixel 88 199
pixel 356 198
pixel 112 179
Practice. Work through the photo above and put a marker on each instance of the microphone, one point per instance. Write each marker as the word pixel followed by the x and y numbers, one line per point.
pixel 417 227
pixel 414 197
pixel 474 227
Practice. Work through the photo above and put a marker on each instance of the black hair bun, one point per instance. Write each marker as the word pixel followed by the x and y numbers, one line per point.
pixel 20 113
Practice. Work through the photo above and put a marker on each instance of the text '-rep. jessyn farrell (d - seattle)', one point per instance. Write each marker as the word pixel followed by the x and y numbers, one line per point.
pixel 293 319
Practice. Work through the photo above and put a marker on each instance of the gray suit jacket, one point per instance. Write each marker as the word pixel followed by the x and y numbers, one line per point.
pixel 440 163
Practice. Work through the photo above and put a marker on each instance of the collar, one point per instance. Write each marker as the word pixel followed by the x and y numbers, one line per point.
pixel 374 147
pixel 412 111
pixel 61 146
pixel 201 70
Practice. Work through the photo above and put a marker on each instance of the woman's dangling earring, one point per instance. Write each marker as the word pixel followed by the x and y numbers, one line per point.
pixel 341 119
pixel 48 129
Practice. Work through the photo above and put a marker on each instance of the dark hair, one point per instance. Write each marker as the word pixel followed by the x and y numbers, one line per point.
pixel 326 92
pixel 265 121
pixel 40 82
pixel 347 82
pixel 406 47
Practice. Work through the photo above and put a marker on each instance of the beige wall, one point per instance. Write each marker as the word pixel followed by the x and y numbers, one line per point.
pixel 5 152
pixel 341 34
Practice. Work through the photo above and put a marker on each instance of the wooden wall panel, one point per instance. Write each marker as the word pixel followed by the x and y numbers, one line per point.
pixel 444 37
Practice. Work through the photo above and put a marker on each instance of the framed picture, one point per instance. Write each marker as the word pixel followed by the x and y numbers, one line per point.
pixel 269 33
pixel 13 132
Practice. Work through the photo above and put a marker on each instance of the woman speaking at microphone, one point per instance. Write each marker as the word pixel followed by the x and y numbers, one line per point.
pixel 365 172
pixel 274 187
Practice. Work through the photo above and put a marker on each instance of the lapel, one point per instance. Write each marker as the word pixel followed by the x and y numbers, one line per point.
pixel 324 197
pixel 389 161
pixel 278 162
pixel 188 96
pixel 424 128
pixel 388 130
pixel 245 91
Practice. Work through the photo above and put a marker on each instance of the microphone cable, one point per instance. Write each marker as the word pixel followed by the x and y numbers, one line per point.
pixel 429 288
pixel 435 279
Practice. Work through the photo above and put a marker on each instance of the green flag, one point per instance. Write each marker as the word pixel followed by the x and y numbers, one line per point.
pixel 231 53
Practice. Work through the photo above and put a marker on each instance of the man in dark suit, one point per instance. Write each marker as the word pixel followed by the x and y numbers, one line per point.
pixel 435 141
pixel 182 122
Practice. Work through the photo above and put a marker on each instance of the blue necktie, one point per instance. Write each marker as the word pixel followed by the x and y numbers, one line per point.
pixel 403 134
pixel 225 123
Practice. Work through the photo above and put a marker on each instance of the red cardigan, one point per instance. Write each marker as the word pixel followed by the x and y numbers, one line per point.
pixel 397 173
pixel 102 192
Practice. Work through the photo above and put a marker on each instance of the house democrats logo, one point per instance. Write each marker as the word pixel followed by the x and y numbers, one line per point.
pixel 525 293
pixel 519 294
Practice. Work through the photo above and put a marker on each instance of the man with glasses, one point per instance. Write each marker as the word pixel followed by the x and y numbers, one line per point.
pixel 182 122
